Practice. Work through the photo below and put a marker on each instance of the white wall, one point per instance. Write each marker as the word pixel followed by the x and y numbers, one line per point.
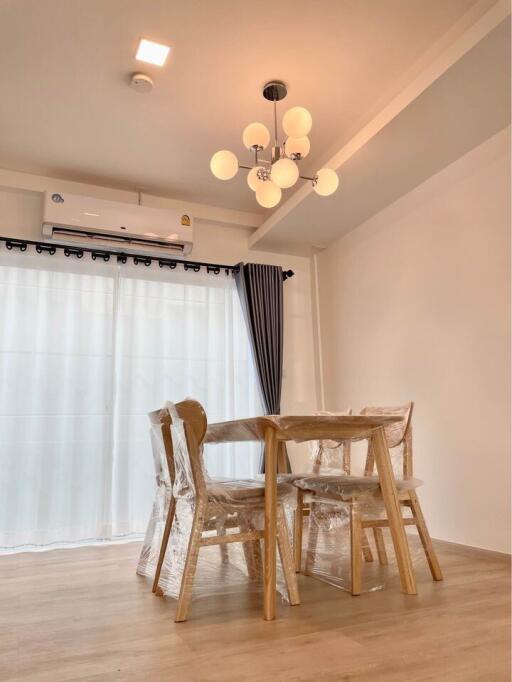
pixel 21 215
pixel 415 305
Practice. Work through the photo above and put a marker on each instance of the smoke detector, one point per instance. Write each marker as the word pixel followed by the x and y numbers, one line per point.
pixel 140 82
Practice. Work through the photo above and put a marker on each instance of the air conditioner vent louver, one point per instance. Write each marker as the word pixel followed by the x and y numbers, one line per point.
pixel 116 240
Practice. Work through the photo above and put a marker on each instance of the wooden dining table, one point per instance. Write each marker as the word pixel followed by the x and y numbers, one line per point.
pixel 274 431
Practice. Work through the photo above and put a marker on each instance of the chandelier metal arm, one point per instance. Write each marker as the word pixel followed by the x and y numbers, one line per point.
pixel 313 179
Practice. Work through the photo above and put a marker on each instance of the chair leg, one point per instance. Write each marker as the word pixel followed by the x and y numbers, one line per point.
pixel 258 558
pixel 250 550
pixel 163 545
pixel 220 530
pixel 381 546
pixel 298 522
pixel 367 552
pixel 189 571
pixel 285 552
pixel 355 549
pixel 425 538
pixel 312 540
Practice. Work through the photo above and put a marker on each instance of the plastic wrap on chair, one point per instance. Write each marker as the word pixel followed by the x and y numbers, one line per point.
pixel 395 431
pixel 327 547
pixel 346 487
pixel 330 456
pixel 353 457
pixel 344 494
pixel 208 509
pixel 163 493
pixel 398 437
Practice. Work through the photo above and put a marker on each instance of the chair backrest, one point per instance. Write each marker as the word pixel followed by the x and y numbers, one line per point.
pixel 398 434
pixel 187 429
pixel 161 443
pixel 335 453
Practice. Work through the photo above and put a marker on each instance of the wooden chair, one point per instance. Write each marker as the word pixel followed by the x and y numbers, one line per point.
pixel 212 501
pixel 400 435
pixel 161 443
pixel 350 490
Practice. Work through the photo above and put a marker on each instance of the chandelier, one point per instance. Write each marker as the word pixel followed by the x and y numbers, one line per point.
pixel 268 177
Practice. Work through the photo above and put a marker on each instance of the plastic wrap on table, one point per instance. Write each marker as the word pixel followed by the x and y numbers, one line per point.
pixel 226 506
pixel 298 428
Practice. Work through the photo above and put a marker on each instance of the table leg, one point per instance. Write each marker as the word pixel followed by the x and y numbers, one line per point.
pixel 282 466
pixel 269 573
pixel 394 514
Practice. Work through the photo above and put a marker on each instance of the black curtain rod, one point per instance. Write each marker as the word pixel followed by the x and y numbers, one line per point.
pixel 105 254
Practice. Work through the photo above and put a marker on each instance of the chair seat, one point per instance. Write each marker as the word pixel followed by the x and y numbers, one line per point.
pixel 290 478
pixel 348 486
pixel 249 491
pixel 284 478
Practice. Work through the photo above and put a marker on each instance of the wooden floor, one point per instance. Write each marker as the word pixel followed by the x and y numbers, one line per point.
pixel 83 614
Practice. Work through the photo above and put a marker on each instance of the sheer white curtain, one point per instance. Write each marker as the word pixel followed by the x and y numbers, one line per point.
pixel 86 350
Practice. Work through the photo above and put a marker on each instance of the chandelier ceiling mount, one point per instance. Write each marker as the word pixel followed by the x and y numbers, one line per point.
pixel 275 91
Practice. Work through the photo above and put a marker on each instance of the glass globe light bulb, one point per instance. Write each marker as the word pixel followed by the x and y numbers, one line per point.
pixel 284 173
pixel 297 145
pixel 297 122
pixel 327 182
pixel 256 135
pixel 224 165
pixel 268 194
pixel 252 178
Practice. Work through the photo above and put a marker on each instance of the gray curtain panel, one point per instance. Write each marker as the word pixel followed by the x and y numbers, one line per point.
pixel 260 288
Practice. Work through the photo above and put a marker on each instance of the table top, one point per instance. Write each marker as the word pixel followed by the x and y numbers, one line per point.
pixel 298 427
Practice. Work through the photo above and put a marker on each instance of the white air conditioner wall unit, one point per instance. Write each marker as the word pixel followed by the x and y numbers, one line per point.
pixel 87 222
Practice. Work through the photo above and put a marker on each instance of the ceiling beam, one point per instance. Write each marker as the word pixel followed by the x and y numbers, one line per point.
pixel 439 64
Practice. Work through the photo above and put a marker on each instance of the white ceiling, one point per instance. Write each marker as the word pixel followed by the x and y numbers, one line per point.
pixel 66 109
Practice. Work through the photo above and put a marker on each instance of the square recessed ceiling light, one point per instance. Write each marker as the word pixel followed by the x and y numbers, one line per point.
pixel 152 53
